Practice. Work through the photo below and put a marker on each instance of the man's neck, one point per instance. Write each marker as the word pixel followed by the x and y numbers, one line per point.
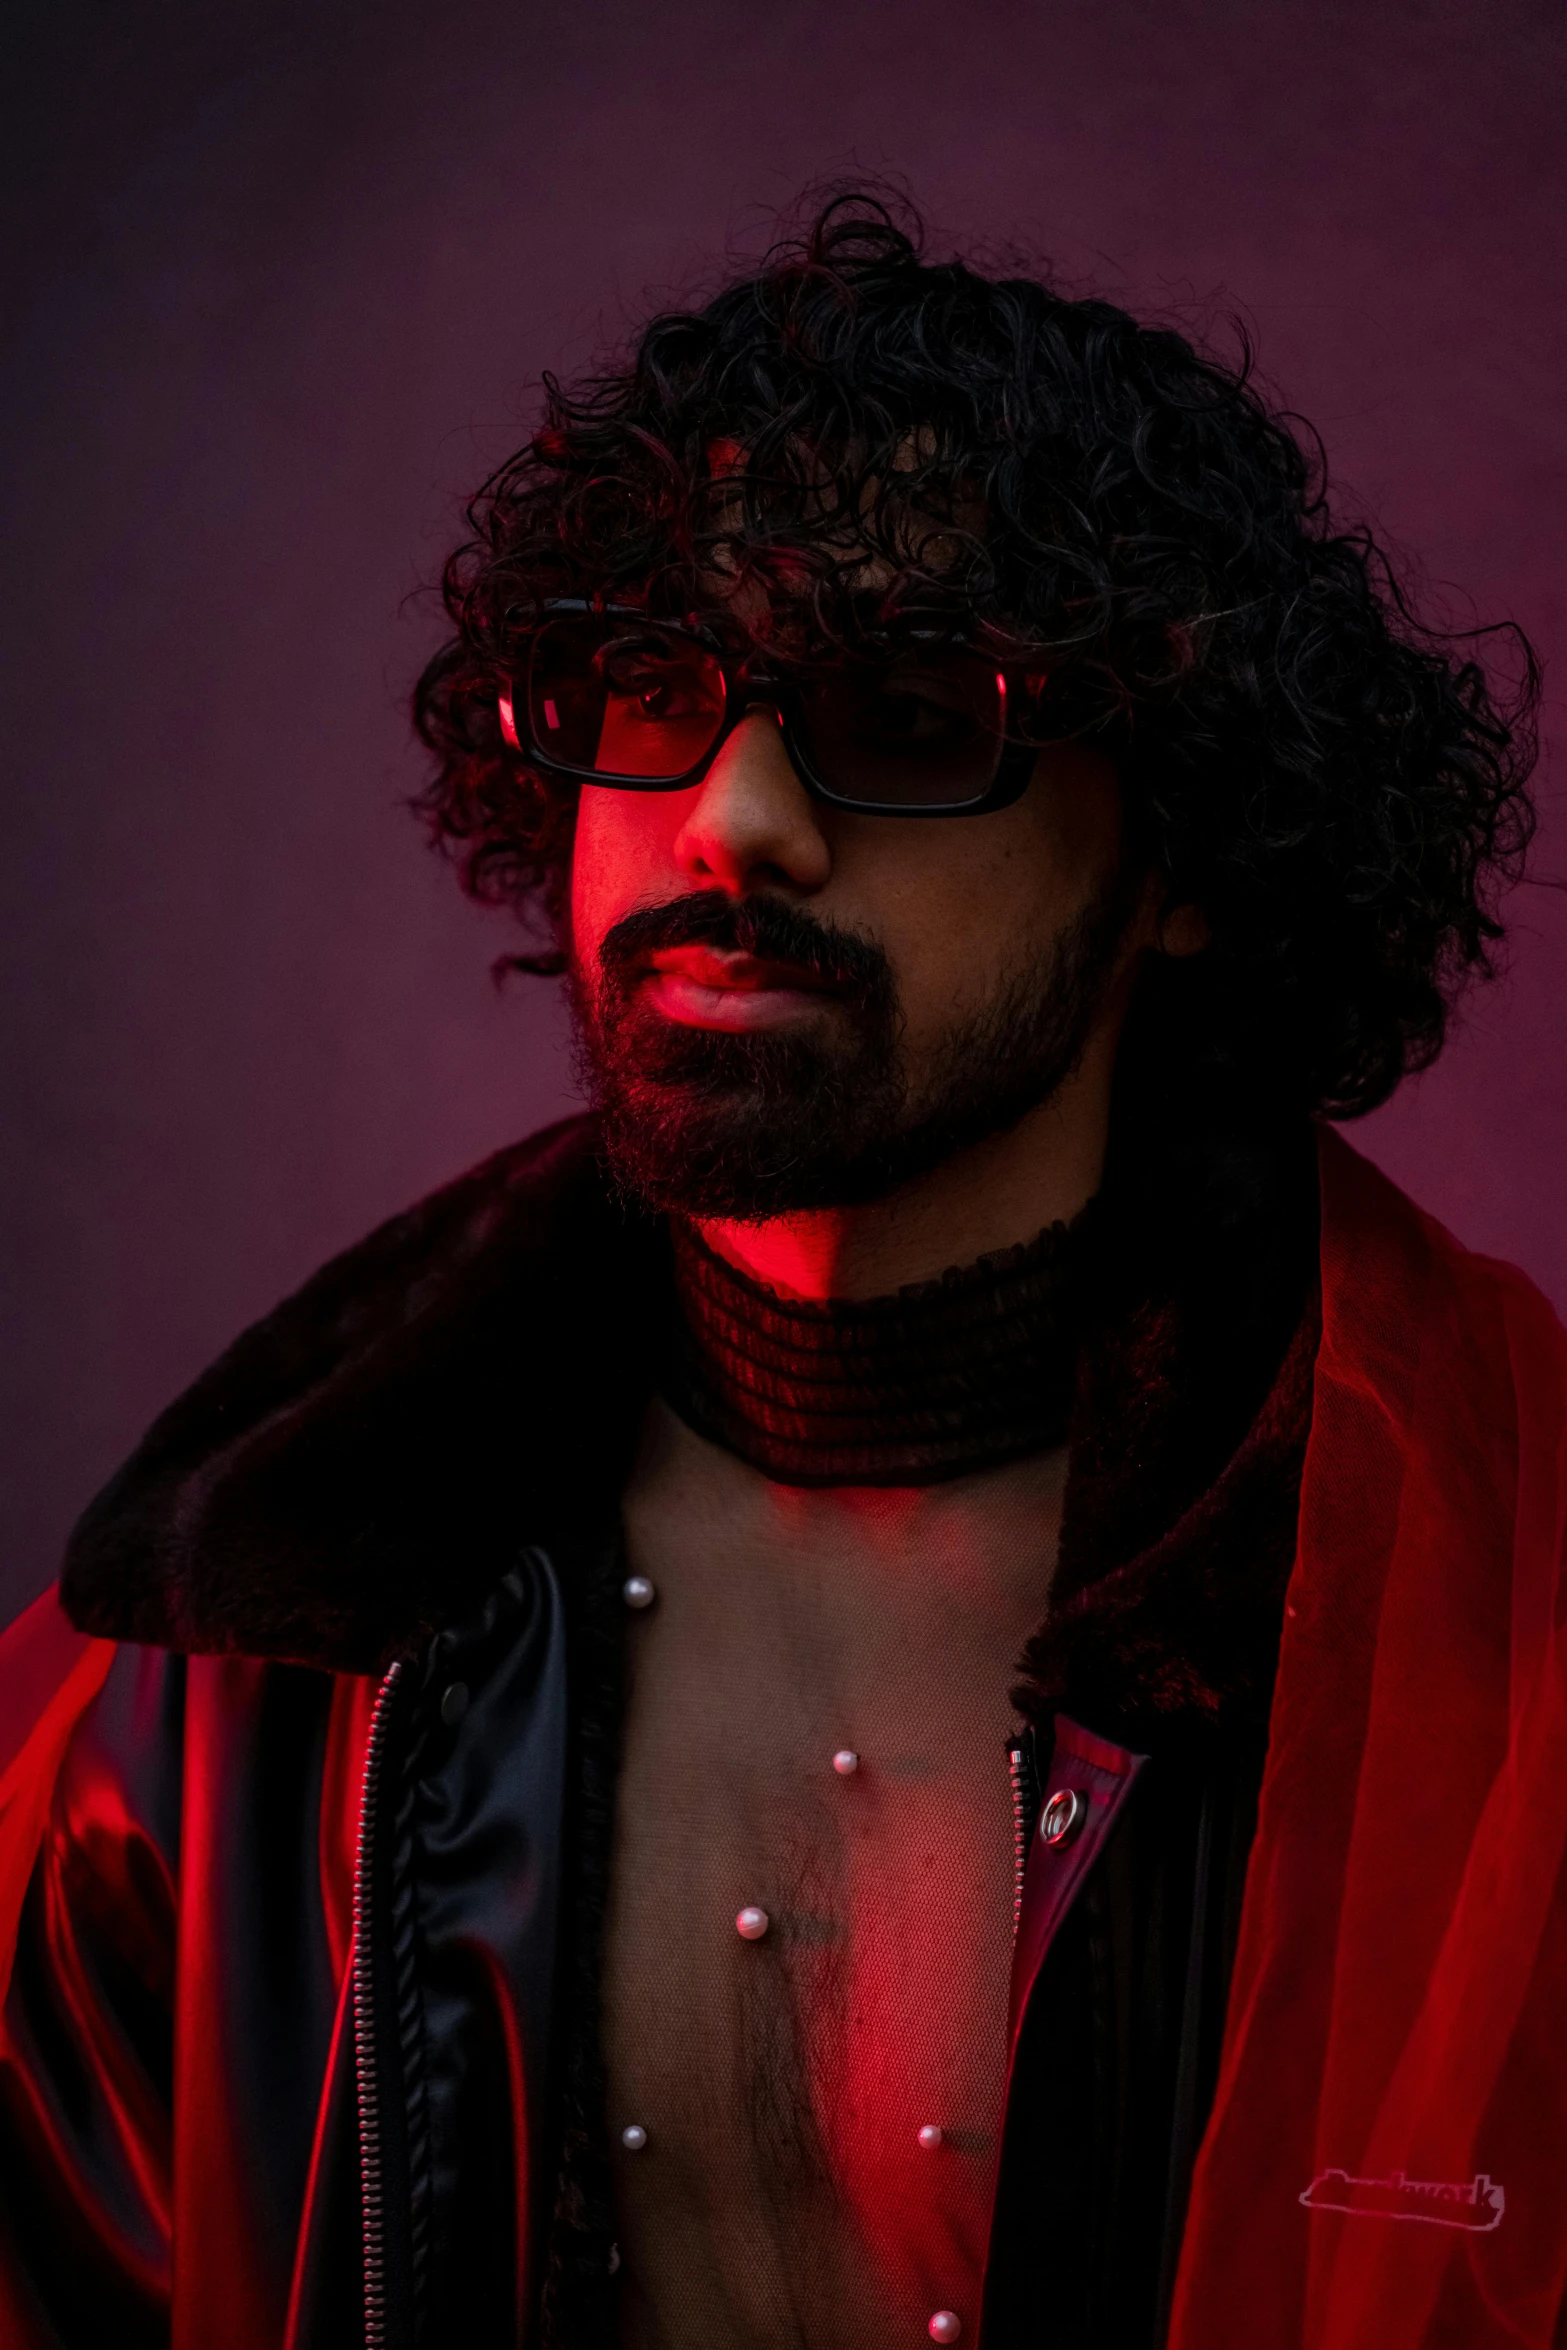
pixel 1003 1190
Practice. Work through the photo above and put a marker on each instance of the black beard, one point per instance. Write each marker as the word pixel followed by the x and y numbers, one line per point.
pixel 704 1123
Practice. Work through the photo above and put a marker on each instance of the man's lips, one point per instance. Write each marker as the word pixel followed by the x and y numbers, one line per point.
pixel 706 987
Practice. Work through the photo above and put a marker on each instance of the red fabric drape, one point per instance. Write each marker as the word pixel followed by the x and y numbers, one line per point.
pixel 1386 2163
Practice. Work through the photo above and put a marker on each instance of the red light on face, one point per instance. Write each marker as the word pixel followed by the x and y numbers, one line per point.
pixel 509 721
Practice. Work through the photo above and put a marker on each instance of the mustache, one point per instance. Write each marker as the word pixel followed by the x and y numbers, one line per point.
pixel 766 927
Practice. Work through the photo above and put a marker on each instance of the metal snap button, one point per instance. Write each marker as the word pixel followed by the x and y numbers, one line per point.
pixel 454 1703
pixel 1062 1816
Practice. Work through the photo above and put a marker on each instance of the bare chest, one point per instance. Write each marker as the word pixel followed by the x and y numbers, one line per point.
pixel 817 2102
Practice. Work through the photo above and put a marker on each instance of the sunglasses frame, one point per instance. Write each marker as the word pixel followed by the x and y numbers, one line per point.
pixel 748 686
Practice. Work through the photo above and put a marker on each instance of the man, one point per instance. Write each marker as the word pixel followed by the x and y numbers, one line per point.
pixel 553 1857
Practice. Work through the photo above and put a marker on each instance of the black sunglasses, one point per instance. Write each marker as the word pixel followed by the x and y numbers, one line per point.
pixel 610 696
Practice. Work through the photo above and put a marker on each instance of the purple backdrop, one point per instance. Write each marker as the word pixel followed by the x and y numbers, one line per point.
pixel 276 280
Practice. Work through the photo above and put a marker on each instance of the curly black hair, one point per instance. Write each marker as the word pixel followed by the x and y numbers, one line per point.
pixel 1340 790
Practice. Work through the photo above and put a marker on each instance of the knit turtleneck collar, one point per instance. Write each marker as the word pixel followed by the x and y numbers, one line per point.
pixel 943 1378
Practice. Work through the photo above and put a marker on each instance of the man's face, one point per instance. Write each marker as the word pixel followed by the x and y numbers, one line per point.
pixel 787 1006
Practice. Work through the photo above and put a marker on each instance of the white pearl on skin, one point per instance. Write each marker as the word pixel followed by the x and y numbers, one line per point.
pixel 930 2136
pixel 752 1923
pixel 633 2137
pixel 845 1762
pixel 945 2326
pixel 639 1591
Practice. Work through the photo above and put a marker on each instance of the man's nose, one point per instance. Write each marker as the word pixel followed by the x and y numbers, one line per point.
pixel 752 823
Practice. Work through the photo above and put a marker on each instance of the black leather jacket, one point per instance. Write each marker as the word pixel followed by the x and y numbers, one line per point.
pixel 219 2125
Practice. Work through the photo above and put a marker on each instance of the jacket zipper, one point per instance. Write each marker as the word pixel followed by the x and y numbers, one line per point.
pixel 372 2186
pixel 1024 1768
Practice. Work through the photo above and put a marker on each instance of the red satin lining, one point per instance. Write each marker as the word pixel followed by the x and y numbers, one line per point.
pixel 342 1777
pixel 50 1674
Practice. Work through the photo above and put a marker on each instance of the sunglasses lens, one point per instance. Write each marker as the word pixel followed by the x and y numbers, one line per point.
pixel 623 698
pixel 924 731
pixel 633 701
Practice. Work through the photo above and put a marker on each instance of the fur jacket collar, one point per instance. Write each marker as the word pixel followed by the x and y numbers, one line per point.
pixel 360 1467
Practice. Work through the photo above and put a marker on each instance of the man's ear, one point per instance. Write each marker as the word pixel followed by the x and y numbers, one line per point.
pixel 1183 930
